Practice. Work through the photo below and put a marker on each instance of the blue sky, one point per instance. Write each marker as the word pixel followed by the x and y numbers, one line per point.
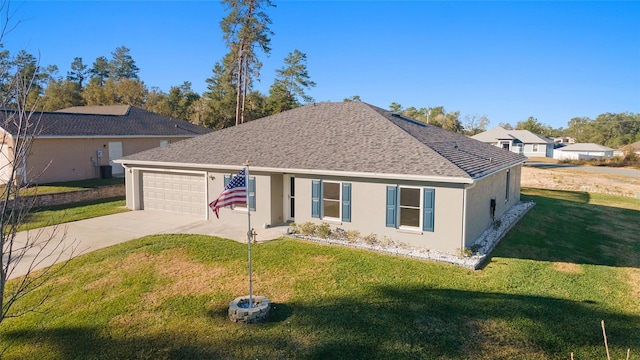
pixel 507 60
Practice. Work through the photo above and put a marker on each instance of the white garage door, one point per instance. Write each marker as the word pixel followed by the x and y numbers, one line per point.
pixel 183 193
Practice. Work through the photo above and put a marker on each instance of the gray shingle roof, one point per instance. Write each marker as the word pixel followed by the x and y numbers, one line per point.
pixel 585 147
pixel 346 136
pixel 499 133
pixel 134 122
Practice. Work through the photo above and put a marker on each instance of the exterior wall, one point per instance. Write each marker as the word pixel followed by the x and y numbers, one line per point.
pixel 368 212
pixel 478 201
pixel 264 213
pixel 542 151
pixel 57 160
pixel 577 155
pixel 6 156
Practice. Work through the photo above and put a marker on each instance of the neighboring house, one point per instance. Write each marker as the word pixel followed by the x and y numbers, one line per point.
pixel 583 151
pixel 518 141
pixel 350 164
pixel 563 140
pixel 81 142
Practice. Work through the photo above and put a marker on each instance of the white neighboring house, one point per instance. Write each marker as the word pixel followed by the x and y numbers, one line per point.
pixel 518 141
pixel 583 151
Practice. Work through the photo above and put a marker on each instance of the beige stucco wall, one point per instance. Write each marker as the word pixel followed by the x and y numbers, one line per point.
pixel 478 201
pixel 368 212
pixel 56 160
pixel 264 213
pixel 454 204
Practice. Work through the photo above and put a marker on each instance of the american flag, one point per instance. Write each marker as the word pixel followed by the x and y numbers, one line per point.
pixel 234 193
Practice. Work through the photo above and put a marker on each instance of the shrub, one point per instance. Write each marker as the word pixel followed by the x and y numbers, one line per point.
pixel 371 239
pixel 323 230
pixel 308 228
pixel 293 228
pixel 353 235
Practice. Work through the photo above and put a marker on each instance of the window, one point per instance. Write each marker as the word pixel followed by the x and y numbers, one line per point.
pixel 164 143
pixel 252 193
pixel 331 200
pixel 535 147
pixel 506 195
pixel 410 207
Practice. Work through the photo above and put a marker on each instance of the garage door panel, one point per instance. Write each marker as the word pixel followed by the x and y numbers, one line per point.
pixel 182 193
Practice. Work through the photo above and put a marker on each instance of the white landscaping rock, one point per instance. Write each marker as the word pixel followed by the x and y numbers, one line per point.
pixel 483 245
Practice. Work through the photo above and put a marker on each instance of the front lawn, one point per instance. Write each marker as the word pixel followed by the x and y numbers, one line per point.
pixel 166 297
pixel 53 215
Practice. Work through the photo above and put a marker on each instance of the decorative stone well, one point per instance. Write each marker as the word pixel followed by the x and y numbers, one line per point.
pixel 239 309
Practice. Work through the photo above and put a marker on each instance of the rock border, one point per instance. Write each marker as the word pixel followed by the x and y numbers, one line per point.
pixel 481 247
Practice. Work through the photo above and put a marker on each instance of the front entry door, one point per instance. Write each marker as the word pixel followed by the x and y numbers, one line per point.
pixel 289 207
pixel 115 153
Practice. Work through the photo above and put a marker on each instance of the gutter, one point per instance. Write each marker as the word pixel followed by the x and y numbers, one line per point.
pixel 352 174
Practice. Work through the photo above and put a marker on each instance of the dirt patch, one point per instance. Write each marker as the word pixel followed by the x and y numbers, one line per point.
pixel 576 180
pixel 568 268
pixel 633 279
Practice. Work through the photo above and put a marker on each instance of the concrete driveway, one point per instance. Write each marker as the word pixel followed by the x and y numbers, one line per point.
pixel 81 237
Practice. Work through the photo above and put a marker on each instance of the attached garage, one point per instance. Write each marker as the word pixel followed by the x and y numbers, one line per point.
pixel 176 192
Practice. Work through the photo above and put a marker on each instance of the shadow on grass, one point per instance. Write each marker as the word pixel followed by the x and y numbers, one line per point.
pixel 388 322
pixel 564 227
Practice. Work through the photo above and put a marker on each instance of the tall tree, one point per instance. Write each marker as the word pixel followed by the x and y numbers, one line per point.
pixel 474 124
pixel 395 107
pixel 532 124
pixel 61 94
pixel 220 97
pixel 288 89
pixel 246 27
pixel 180 99
pixel 122 65
pixel 78 71
pixel 100 70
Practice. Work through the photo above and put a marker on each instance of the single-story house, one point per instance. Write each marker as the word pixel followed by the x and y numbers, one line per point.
pixel 583 151
pixel 518 141
pixel 81 142
pixel 350 164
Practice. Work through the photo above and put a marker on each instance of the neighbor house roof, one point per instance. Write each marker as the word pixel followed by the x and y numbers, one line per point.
pixel 110 121
pixel 350 137
pixel 585 147
pixel 499 133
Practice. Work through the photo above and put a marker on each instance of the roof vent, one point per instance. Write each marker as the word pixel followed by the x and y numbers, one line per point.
pixel 490 159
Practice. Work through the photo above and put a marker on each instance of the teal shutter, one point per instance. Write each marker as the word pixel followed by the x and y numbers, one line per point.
pixel 428 209
pixel 252 193
pixel 315 198
pixel 392 206
pixel 227 180
pixel 346 202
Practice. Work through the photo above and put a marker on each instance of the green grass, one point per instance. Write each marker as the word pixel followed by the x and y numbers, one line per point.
pixel 70 186
pixel 542 296
pixel 52 215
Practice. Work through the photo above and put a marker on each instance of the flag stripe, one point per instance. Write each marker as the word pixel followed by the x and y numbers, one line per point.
pixel 234 193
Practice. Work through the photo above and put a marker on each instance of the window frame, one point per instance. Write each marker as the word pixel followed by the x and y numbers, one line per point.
pixel 419 208
pixel 393 213
pixel 318 200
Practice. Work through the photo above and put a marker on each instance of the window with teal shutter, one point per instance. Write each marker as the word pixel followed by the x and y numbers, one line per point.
pixel 252 193
pixel 428 202
pixel 392 206
pixel 346 202
pixel 316 193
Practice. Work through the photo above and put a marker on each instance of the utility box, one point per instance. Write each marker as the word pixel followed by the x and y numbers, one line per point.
pixel 105 172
